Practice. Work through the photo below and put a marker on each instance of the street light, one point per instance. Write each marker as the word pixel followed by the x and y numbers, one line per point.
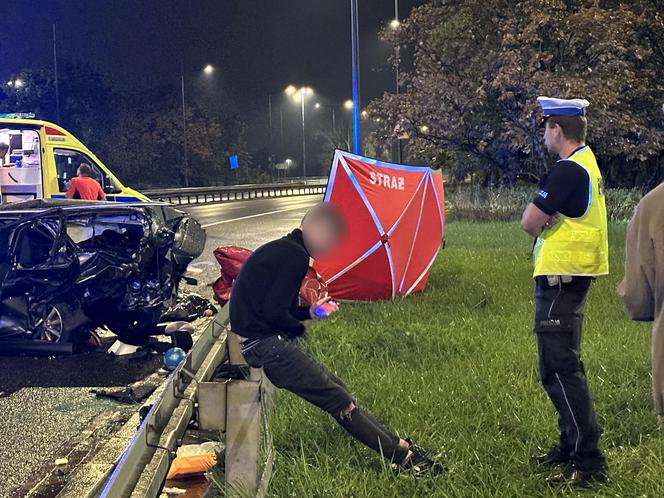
pixel 395 23
pixel 207 70
pixel 271 147
pixel 301 94
pixel 348 105
pixel 17 83
pixel 318 105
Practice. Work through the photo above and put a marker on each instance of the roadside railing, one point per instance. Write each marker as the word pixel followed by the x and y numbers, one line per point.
pixel 205 195
pixel 239 413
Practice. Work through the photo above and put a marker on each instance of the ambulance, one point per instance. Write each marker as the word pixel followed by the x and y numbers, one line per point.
pixel 38 159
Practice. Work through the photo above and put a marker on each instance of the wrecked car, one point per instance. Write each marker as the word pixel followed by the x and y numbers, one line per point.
pixel 69 267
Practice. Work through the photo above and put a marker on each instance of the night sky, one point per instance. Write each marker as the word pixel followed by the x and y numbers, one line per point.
pixel 257 46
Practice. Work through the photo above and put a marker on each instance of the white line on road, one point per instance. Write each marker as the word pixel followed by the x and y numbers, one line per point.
pixel 253 216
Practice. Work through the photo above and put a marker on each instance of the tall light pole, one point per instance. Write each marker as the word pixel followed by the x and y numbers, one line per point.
pixel 269 120
pixel 185 171
pixel 271 128
pixel 355 55
pixel 304 92
pixel 301 94
pixel 207 70
pixel 55 74
pixel 349 105
pixel 396 24
pixel 332 109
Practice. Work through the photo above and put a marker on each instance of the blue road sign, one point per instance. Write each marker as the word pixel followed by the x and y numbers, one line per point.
pixel 234 161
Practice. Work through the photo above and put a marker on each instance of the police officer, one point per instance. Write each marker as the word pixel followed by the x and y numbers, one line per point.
pixel 568 219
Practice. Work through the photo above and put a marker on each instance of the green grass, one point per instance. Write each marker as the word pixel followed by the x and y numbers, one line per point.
pixel 455 368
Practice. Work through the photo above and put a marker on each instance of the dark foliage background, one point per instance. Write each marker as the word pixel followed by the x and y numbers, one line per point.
pixel 471 72
pixel 138 135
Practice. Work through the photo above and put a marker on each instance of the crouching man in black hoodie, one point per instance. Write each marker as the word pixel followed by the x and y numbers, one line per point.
pixel 265 314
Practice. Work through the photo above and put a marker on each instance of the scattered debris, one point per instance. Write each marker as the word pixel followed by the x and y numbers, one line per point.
pixel 128 395
pixel 173 357
pixel 193 459
pixel 119 348
pixel 174 491
pixel 227 371
pixel 188 307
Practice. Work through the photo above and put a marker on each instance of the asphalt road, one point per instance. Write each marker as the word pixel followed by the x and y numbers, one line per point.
pixel 46 402
pixel 244 223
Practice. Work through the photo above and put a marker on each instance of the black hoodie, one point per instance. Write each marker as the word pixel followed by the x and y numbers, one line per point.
pixel 264 300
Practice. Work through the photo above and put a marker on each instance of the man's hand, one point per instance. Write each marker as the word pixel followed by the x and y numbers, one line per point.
pixel 534 220
pixel 333 307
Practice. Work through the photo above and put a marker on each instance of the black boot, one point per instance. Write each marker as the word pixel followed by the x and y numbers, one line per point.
pixel 420 461
pixel 582 479
pixel 555 456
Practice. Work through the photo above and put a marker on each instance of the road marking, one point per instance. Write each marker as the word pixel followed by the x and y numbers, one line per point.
pixel 252 216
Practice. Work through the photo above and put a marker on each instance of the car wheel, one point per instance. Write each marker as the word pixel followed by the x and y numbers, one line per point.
pixel 49 323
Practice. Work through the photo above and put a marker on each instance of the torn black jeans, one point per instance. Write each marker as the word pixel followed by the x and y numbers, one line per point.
pixel 290 368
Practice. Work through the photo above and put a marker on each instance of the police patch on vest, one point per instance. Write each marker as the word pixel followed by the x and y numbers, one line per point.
pixel 543 194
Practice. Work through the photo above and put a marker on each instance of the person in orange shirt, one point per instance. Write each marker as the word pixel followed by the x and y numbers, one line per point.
pixel 83 186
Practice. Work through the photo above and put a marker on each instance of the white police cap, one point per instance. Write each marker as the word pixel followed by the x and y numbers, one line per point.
pixel 563 107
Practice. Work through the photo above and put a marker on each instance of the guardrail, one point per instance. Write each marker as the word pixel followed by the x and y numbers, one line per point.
pixel 204 195
pixel 152 435
pixel 141 470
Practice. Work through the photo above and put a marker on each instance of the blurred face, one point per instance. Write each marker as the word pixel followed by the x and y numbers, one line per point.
pixel 552 137
pixel 320 236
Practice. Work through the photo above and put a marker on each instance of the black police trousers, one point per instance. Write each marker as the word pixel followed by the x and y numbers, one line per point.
pixel 290 368
pixel 558 322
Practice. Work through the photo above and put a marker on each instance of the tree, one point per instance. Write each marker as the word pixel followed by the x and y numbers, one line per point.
pixel 148 142
pixel 138 135
pixel 476 69
pixel 86 100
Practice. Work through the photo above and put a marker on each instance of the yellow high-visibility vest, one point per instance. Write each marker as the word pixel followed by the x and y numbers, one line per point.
pixel 577 246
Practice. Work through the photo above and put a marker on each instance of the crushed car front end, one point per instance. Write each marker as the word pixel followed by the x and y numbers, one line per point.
pixel 69 267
